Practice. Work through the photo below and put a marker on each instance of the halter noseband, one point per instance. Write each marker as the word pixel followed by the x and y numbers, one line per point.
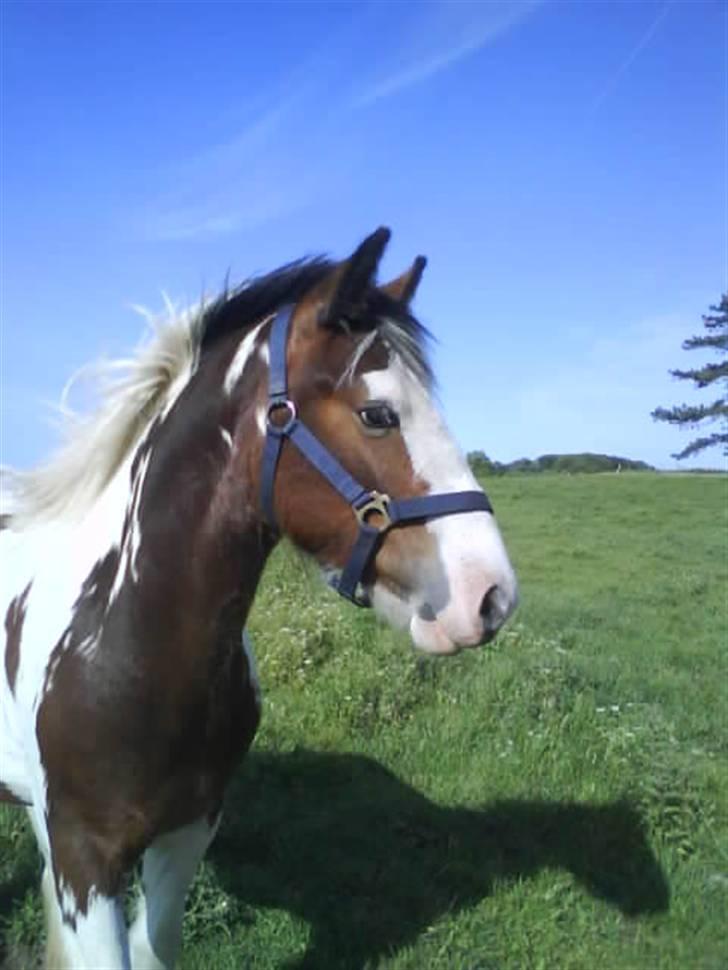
pixel 363 501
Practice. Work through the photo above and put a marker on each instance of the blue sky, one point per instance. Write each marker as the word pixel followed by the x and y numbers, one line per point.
pixel 562 164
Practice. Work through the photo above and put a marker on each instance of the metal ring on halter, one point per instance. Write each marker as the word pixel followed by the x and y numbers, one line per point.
pixel 288 424
pixel 379 503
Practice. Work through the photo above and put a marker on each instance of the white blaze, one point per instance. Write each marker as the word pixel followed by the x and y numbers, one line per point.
pixel 472 558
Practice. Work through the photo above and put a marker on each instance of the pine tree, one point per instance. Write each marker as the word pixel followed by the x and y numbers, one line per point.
pixel 716 338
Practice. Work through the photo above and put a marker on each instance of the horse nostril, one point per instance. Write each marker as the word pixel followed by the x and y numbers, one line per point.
pixel 491 610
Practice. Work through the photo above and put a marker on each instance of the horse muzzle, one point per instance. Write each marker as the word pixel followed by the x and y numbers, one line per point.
pixel 456 626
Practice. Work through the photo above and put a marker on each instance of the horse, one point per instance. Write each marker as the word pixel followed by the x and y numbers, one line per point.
pixel 298 404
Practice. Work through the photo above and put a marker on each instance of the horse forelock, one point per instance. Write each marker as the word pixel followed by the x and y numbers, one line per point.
pixel 242 309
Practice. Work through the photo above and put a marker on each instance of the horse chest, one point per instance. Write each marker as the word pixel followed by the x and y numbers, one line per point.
pixel 205 742
pixel 166 713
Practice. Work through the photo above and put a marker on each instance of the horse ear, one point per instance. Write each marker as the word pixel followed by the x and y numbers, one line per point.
pixel 405 286
pixel 343 290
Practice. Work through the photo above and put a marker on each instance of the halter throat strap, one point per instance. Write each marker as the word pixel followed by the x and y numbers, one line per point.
pixel 384 512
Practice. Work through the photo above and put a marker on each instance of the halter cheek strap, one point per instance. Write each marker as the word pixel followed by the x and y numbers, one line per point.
pixel 364 502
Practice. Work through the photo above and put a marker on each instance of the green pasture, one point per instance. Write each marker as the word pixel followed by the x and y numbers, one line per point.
pixel 556 800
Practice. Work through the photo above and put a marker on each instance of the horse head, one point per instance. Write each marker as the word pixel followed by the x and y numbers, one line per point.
pixel 339 396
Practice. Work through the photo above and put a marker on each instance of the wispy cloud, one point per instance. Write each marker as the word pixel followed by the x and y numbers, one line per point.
pixel 611 83
pixel 236 184
pixel 447 33
pixel 213 218
pixel 256 175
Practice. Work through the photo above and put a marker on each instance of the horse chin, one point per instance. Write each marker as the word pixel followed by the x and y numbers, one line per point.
pixel 429 636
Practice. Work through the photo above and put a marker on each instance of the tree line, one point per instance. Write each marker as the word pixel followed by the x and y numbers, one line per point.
pixel 713 375
pixel 583 462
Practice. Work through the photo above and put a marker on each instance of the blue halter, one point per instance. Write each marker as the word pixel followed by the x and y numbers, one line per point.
pixel 363 501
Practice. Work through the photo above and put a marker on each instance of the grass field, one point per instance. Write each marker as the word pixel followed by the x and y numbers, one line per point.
pixel 559 800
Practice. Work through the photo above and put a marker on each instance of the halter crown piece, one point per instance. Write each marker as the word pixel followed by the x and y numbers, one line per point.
pixel 362 500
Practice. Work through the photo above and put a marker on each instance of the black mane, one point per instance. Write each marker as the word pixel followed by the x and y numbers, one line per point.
pixel 236 310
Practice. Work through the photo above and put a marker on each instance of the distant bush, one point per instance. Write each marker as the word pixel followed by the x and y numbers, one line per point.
pixel 481 464
pixel 584 462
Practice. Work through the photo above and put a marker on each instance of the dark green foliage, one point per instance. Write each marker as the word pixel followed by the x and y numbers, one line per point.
pixel 481 464
pixel 693 415
pixel 567 464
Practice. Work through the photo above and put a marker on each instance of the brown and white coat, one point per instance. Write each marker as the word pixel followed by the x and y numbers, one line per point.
pixel 130 562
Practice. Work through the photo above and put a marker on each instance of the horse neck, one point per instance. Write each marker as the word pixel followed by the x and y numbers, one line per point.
pixel 194 515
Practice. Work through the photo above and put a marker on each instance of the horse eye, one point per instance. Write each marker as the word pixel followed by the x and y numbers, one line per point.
pixel 378 417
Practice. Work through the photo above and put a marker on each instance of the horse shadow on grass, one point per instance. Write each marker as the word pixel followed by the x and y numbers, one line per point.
pixel 369 863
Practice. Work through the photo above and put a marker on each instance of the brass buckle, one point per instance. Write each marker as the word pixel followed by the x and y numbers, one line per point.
pixel 376 503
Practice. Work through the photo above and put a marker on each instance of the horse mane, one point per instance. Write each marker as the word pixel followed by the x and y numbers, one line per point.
pixel 131 392
pixel 135 391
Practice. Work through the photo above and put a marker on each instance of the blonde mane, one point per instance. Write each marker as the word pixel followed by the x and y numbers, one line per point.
pixel 132 393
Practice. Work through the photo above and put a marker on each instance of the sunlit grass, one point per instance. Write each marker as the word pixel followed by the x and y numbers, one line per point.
pixel 557 800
